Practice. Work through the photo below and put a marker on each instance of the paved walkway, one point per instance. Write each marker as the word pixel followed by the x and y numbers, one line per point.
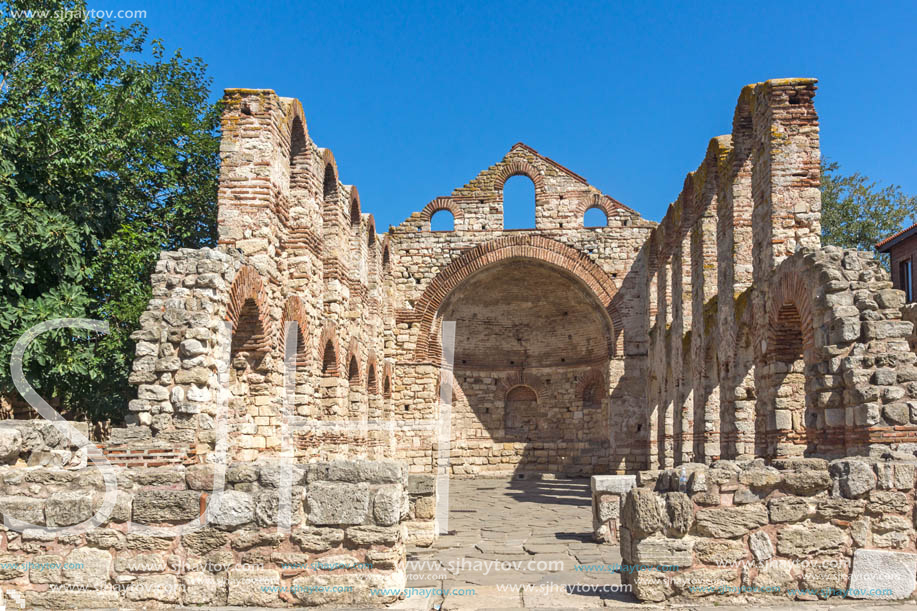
pixel 515 544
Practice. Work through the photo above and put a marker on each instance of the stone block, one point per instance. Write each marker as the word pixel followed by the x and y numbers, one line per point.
pixel 255 588
pixel 800 541
pixel 613 484
pixel 234 509
pixel 761 546
pixel 641 512
pixel 712 551
pixel 155 506
pixel 730 522
pixel 387 504
pixel 854 477
pixel 86 566
pixel 788 509
pixel 662 551
pixel 875 570
pixel 334 502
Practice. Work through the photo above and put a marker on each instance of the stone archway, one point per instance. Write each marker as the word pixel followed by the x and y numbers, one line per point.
pixel 530 336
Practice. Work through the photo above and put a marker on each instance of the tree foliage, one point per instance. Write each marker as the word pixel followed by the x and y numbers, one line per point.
pixel 857 212
pixel 108 154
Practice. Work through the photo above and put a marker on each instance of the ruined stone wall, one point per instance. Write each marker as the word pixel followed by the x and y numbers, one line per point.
pixel 755 333
pixel 432 272
pixel 297 253
pixel 801 529
pixel 346 531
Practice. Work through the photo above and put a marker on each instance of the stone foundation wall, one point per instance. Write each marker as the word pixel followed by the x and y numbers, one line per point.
pixel 801 529
pixel 346 532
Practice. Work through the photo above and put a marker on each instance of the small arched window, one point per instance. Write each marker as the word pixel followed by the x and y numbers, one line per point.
pixel 387 387
pixel 355 212
pixel 329 184
pixel 442 220
pixel 595 217
pixel 519 203
pixel 329 359
pixel 353 371
pixel 371 379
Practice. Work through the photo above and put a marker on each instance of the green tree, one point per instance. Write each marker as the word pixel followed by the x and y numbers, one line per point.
pixel 108 154
pixel 857 213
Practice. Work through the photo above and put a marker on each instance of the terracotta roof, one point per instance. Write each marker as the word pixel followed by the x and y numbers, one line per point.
pixel 893 239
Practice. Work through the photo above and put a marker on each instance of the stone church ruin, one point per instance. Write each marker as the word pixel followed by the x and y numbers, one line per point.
pixel 724 339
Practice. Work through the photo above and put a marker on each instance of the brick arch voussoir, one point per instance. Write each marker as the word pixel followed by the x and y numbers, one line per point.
pixel 295 311
pixel 248 284
pixel 441 203
pixel 598 202
pixel 536 248
pixel 515 379
pixel 519 167
pixel 329 334
pixel 792 289
pixel 354 205
pixel 593 377
pixel 353 355
pixel 372 364
pixel 387 375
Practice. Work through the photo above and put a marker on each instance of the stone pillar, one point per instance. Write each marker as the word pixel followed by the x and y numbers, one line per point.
pixel 703 336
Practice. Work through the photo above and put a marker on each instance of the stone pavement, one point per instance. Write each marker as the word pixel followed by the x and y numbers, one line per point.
pixel 515 544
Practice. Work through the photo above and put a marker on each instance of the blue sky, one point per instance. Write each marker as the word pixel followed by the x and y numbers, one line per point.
pixel 414 99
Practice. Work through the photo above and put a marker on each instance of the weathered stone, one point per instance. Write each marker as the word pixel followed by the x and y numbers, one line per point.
pixel 106 538
pixel 256 588
pixel 881 501
pixel 703 582
pixel 761 477
pixel 800 541
pixel 337 503
pixel 204 476
pixel 658 550
pixel 730 522
pixel 10 445
pixel 67 508
pixel 839 508
pixel 203 541
pixel 712 551
pixel 45 569
pixel 641 512
pixel 140 563
pixel 235 509
pixel 788 509
pixel 318 540
pixel 760 545
pixel 87 567
pixel 24 508
pixel 883 575
pixel 374 535
pixel 200 588
pixel 806 483
pixel 154 506
pixel 854 477
pixel 387 505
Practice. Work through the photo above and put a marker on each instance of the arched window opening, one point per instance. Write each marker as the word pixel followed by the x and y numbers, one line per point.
pixel 299 156
pixel 387 388
pixel 792 414
pixel 371 236
pixel 521 413
pixel 592 397
pixel 442 220
pixel 329 185
pixel 248 333
pixel 595 217
pixel 386 257
pixel 329 359
pixel 355 213
pixel 519 203
pixel 353 371
pixel 371 379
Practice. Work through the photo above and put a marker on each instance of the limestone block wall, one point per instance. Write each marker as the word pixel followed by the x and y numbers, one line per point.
pixel 346 532
pixel 800 529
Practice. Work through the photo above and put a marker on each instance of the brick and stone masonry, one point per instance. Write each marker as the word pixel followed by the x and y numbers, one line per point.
pixel 726 332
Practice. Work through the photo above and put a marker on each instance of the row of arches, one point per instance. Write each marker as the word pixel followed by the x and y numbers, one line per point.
pixel 251 333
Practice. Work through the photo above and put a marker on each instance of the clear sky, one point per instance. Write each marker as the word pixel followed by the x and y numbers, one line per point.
pixel 415 98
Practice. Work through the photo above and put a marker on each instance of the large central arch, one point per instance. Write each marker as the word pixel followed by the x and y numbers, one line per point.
pixel 522 247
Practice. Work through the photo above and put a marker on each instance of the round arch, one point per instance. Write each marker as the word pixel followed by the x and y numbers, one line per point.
pixel 537 248
pixel 248 287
